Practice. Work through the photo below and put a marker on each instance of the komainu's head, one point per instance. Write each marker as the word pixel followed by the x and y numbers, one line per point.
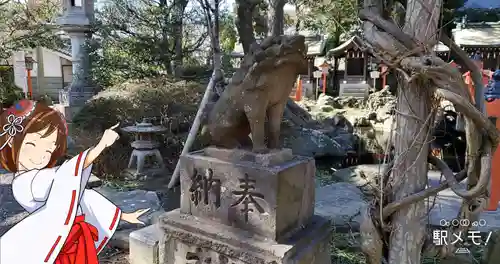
pixel 278 53
pixel 296 47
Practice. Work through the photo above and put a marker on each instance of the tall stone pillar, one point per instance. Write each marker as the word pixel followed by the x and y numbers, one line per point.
pixel 81 88
pixel 76 21
pixel 238 207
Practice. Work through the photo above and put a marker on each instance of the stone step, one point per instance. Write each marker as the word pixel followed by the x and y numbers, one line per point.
pixel 353 94
pixel 355 88
pixel 144 245
pixel 356 92
pixel 121 238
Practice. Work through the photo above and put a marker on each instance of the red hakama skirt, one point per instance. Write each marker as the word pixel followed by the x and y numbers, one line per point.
pixel 79 247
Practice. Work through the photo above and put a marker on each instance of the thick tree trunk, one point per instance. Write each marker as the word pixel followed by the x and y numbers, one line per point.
pixel 412 137
pixel 217 53
pixel 276 17
pixel 165 54
pixel 211 10
pixel 297 21
pixel 179 8
pixel 244 23
pixel 410 173
pixel 212 16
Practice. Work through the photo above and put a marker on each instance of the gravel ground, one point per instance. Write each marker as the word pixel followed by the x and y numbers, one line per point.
pixel 113 256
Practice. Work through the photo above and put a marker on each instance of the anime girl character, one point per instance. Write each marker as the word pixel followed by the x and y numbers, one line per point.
pixel 67 224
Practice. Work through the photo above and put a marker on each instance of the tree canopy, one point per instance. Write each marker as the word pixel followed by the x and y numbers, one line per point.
pixel 24 26
pixel 136 39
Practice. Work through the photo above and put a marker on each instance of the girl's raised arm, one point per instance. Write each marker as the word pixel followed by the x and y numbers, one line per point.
pixel 108 138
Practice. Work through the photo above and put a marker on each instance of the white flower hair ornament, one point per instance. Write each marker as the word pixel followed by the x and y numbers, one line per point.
pixel 17 114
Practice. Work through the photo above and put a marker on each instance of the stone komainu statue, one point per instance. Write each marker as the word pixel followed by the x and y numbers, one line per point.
pixel 257 93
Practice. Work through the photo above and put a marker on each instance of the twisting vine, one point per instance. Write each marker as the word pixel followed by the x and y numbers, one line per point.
pixel 385 40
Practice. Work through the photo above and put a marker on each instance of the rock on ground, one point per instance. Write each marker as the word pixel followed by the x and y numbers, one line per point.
pixel 374 114
pixel 378 107
pixel 131 201
pixel 311 142
pixel 334 137
pixel 361 175
pixel 381 99
pixel 341 202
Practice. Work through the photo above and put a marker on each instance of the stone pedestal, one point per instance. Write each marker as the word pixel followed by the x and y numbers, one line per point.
pixel 143 245
pixel 79 98
pixel 69 112
pixel 239 207
pixel 189 239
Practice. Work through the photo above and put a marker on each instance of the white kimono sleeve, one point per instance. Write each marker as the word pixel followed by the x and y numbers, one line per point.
pixel 102 214
pixel 40 236
pixel 42 184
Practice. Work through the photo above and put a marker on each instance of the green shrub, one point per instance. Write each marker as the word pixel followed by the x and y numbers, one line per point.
pixel 9 92
pixel 172 104
pixel 196 70
pixel 44 98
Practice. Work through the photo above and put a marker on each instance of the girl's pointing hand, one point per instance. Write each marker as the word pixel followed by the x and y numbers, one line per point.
pixel 133 217
pixel 109 137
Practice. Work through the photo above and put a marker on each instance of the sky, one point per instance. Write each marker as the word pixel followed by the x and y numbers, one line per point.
pixel 482 4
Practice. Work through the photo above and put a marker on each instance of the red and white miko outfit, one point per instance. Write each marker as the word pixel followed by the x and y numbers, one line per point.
pixel 68 224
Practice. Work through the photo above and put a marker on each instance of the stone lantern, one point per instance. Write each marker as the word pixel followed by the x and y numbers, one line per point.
pixel 76 21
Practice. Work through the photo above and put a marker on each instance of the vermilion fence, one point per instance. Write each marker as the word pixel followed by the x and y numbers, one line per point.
pixel 296 93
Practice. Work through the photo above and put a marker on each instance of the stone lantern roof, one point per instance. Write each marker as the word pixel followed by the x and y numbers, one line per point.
pixel 77 15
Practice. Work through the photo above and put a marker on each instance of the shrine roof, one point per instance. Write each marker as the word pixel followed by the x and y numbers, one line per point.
pixel 486 34
pixel 339 51
pixel 62 53
pixel 440 47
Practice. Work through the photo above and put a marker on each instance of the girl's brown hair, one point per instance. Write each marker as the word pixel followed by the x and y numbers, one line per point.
pixel 41 117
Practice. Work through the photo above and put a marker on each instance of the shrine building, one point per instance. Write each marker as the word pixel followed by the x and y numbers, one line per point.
pixel 352 76
pixel 477 39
